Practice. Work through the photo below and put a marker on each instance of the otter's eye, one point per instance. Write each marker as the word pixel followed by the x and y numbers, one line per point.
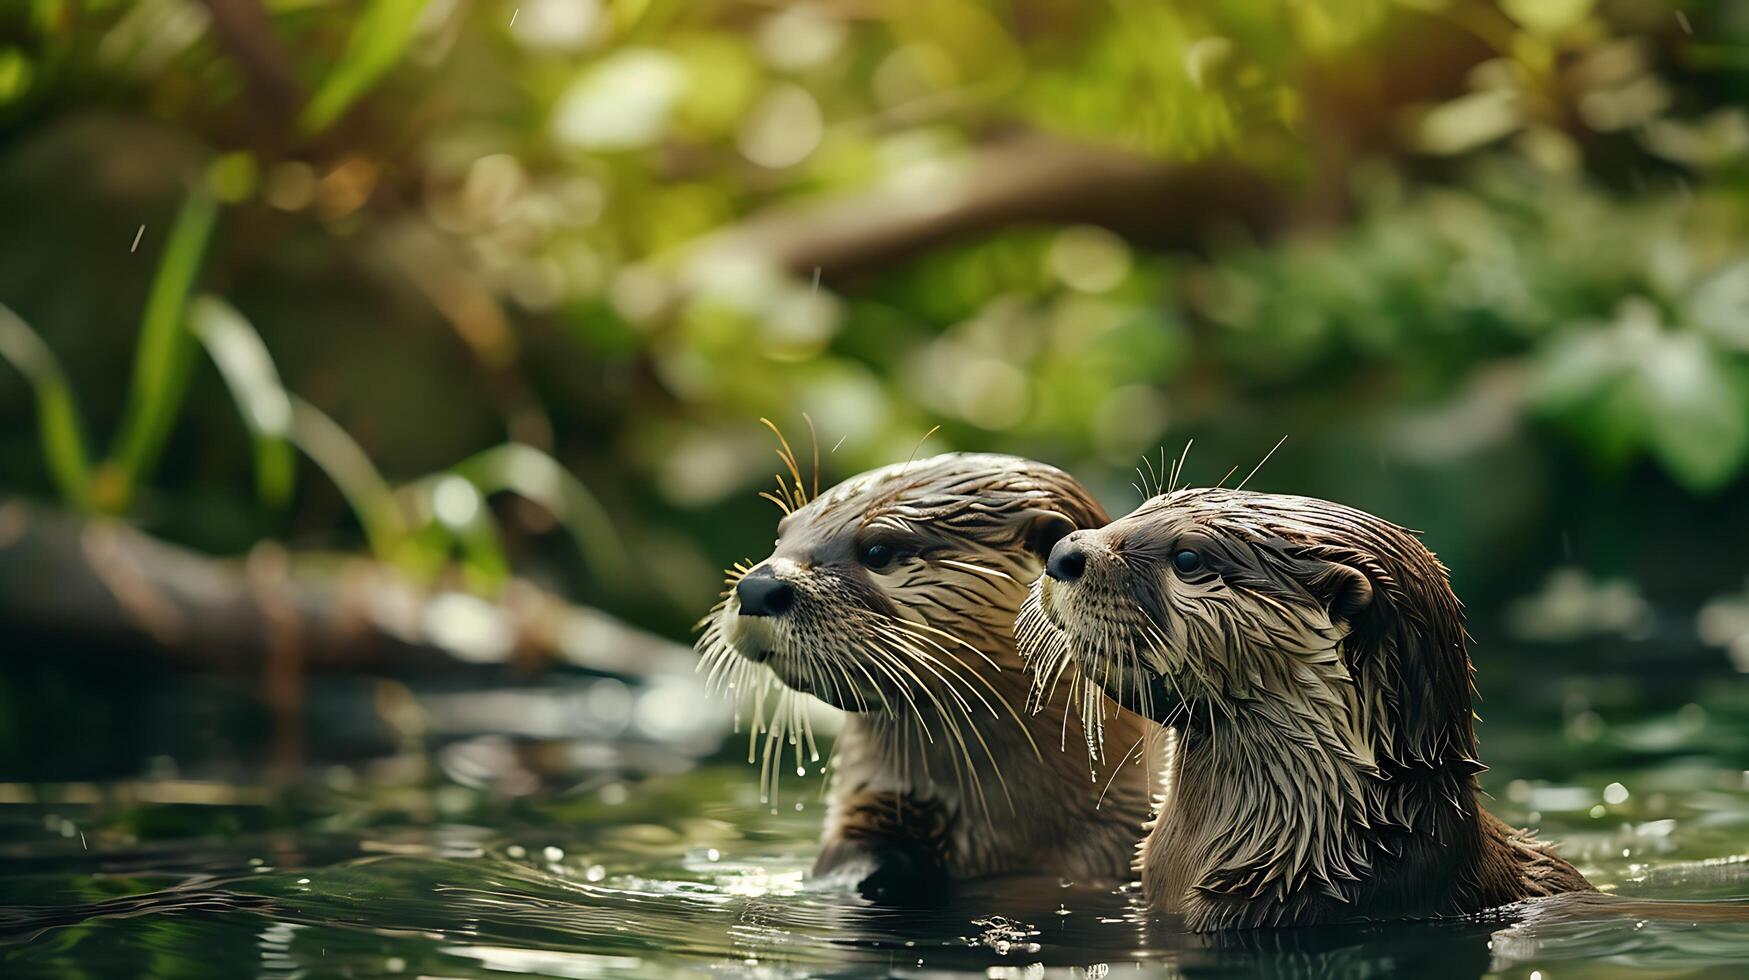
pixel 877 556
pixel 1187 561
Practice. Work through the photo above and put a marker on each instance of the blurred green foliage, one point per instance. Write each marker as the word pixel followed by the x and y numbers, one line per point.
pixel 582 246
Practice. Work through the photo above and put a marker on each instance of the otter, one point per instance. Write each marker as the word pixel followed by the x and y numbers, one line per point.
pixel 892 597
pixel 1313 659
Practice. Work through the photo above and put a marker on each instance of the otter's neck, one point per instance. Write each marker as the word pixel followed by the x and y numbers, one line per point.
pixel 951 745
pixel 1297 824
pixel 1015 787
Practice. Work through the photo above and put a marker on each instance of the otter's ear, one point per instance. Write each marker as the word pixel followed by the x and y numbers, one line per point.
pixel 1044 530
pixel 1346 591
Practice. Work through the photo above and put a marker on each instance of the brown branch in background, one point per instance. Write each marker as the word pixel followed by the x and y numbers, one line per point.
pixel 245 31
pixel 105 585
pixel 1354 109
pixel 1020 177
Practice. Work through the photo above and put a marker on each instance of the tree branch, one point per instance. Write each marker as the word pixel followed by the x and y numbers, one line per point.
pixel 1020 177
pixel 107 585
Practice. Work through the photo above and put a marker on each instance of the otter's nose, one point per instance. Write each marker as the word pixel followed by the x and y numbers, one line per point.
pixel 1068 560
pixel 762 593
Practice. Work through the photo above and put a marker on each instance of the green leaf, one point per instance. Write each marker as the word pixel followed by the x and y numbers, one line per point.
pixel 1700 418
pixel 528 472
pixel 1720 306
pixel 456 507
pixel 165 355
pixel 1547 17
pixel 255 388
pixel 378 40
pixel 63 437
pixel 622 102
pixel 365 490
pixel 1577 369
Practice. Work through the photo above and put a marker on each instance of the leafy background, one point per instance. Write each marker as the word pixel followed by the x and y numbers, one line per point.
pixel 495 288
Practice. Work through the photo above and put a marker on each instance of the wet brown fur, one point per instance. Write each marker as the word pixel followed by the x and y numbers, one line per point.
pixel 1317 668
pixel 926 783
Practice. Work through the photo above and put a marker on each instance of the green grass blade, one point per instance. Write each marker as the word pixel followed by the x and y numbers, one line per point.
pixel 378 40
pixel 448 502
pixel 525 470
pixel 260 397
pixel 165 355
pixel 365 490
pixel 58 425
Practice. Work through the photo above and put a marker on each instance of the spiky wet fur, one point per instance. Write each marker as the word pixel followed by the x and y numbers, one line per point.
pixel 1316 667
pixel 937 771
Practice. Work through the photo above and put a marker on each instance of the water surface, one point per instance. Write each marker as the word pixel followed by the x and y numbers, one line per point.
pixel 486 857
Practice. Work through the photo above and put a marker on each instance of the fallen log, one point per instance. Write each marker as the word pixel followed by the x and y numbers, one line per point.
pixel 104 584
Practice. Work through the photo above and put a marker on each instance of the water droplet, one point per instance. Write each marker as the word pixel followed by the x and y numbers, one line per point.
pixel 1598 811
pixel 516 852
pixel 799 808
pixel 553 854
pixel 712 854
pixel 1615 794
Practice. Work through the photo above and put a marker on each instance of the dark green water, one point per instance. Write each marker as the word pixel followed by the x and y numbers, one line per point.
pixel 629 865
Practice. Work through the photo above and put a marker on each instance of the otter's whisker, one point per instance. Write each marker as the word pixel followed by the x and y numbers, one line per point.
pixel 1117 769
pixel 891 665
pixel 781 505
pixel 814 440
pixel 965 709
pixel 881 692
pixel 1178 467
pixel 912 629
pixel 788 457
pixel 789 493
pixel 919 447
pixel 981 570
pixel 930 663
pixel 1260 463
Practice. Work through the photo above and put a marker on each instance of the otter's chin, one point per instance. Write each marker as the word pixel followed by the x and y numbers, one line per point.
pixel 752 637
pixel 831 691
pixel 760 639
pixel 1145 693
pixel 1129 684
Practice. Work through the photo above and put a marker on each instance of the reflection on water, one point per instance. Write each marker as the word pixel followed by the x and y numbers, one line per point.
pixel 446 866
pixel 725 894
pixel 668 900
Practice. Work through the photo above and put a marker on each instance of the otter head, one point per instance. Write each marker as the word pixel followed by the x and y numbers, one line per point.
pixel 1294 619
pixel 898 581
